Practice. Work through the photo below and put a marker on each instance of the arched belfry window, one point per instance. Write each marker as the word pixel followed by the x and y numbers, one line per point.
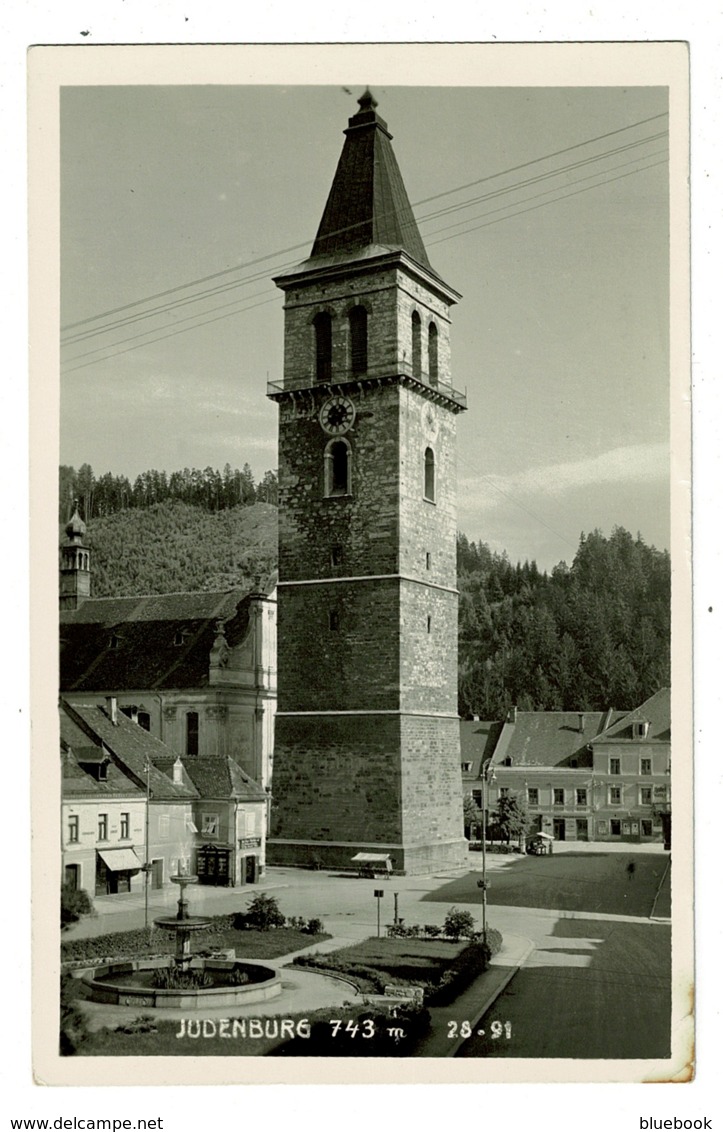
pixel 429 484
pixel 433 362
pixel 416 345
pixel 322 336
pixel 337 468
pixel 358 339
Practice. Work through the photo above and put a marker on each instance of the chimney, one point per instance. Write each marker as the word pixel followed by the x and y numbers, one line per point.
pixel 178 772
pixel 581 719
pixel 512 714
pixel 112 706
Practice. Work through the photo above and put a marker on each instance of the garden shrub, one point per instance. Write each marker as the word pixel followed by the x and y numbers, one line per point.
pixel 314 926
pixel 263 914
pixel 73 1026
pixel 458 923
pixel 461 972
pixel 74 903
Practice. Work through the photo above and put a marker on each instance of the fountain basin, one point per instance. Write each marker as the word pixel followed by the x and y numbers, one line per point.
pixel 129 983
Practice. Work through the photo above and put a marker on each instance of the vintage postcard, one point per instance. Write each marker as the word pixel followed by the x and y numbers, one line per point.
pixel 362 646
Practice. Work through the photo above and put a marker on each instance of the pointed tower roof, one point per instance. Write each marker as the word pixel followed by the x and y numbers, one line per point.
pixel 368 204
pixel 75 527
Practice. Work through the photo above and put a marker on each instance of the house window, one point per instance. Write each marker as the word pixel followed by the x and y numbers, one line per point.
pixel 322 336
pixel 125 826
pixel 144 720
pixel 209 825
pixel 73 828
pixel 164 827
pixel 533 796
pixel 334 620
pixel 646 766
pixel 615 827
pixel 602 827
pixel 433 363
pixel 192 733
pixel 467 767
pixel 504 792
pixel 337 555
pixel 416 345
pixel 477 798
pixel 646 828
pixel 615 795
pixel 429 475
pixel 614 766
pixel 358 335
pixel 581 796
pixel 102 827
pixel 558 796
pixel 337 468
pixel 646 795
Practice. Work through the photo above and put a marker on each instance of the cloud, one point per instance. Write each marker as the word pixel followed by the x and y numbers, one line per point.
pixel 634 464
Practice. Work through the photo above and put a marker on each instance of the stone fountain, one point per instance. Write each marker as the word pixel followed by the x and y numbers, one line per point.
pixel 182 925
pixel 226 980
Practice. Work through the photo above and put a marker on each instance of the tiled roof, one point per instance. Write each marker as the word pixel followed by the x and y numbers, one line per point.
pixel 478 739
pixel 129 643
pixel 131 747
pixel 655 711
pixel 368 203
pixel 217 778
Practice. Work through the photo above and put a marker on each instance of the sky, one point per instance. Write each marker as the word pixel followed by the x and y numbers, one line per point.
pixel 546 208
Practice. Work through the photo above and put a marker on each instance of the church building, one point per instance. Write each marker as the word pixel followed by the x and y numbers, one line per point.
pixel 367 747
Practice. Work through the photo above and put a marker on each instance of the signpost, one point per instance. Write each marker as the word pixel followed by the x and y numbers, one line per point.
pixel 379 892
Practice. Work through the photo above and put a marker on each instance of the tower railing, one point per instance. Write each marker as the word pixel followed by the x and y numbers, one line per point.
pixel 308 380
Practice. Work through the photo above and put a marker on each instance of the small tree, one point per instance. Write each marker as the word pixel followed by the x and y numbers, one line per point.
pixel 472 813
pixel 458 924
pixel 264 913
pixel 74 903
pixel 510 818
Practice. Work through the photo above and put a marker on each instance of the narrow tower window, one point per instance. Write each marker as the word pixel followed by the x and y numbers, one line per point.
pixel 334 620
pixel 416 345
pixel 192 733
pixel 337 555
pixel 429 475
pixel 433 363
pixel 322 331
pixel 358 336
pixel 337 468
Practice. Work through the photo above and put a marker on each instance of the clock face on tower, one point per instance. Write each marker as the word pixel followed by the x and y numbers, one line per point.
pixel 337 415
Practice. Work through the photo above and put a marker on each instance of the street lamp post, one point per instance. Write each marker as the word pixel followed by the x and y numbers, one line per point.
pixel 487 777
pixel 147 865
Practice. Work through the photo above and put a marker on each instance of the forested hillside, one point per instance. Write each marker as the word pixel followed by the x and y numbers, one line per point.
pixel 589 636
pixel 172 547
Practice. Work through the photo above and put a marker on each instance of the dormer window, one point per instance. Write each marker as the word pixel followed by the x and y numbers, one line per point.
pixel 180 638
pixel 466 767
pixel 114 642
pixel 640 729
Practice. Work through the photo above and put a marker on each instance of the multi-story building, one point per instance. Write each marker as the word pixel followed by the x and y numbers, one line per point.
pixel 367 732
pixel 581 776
pixel 197 670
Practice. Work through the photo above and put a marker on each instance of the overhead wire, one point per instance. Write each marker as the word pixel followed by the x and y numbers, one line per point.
pixel 296 247
pixel 465 230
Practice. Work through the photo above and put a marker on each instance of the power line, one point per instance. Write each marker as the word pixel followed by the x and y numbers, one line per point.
pixel 466 204
pixel 162 337
pixel 296 247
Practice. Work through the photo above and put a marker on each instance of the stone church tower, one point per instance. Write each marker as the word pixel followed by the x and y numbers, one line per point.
pixel 74 564
pixel 367 755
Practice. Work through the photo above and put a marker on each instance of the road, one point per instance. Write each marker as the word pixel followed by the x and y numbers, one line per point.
pixel 591 989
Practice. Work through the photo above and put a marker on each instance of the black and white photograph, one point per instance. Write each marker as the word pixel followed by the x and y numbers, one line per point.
pixel 366 742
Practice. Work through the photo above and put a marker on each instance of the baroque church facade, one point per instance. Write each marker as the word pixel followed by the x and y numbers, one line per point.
pixel 367 747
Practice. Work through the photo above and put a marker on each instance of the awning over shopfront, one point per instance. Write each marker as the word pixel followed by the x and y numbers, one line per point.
pixel 120 860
